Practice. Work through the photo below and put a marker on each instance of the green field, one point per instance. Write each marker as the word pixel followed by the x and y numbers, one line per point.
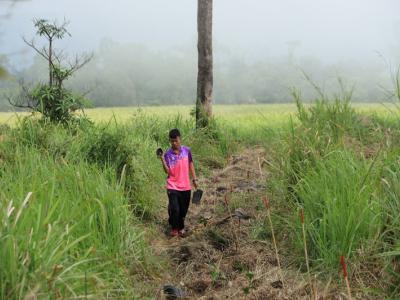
pixel 79 203
pixel 257 113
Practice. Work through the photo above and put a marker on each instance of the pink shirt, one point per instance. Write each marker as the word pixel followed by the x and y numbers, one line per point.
pixel 178 169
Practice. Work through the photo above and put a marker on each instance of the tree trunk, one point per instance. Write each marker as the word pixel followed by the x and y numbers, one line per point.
pixel 205 63
pixel 50 61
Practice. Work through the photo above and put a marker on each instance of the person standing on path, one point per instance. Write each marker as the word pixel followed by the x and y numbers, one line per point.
pixel 178 164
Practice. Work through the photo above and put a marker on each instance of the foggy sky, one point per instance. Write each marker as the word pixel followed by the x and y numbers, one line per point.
pixel 330 30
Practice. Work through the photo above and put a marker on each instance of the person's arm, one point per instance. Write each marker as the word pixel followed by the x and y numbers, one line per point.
pixel 164 163
pixel 193 173
pixel 192 170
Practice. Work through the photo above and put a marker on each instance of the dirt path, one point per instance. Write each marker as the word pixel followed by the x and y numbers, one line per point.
pixel 219 259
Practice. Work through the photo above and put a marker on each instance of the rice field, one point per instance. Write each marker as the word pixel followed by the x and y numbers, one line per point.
pixel 271 113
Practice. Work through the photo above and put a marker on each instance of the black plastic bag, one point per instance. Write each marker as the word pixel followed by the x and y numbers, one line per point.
pixel 196 197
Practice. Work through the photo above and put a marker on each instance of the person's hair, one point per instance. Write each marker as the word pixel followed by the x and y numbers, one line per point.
pixel 174 133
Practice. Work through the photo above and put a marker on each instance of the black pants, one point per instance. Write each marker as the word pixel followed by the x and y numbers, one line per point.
pixel 177 208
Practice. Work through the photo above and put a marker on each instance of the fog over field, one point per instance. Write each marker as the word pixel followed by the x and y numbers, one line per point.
pixel 145 51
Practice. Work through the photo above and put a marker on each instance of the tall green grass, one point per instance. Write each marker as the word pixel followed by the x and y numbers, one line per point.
pixel 339 201
pixel 342 168
pixel 93 184
pixel 74 236
pixel 390 182
pixel 80 233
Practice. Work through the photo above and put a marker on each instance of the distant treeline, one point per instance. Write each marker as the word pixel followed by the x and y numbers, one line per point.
pixel 131 74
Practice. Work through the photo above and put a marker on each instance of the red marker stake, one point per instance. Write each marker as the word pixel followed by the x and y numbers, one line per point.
pixel 266 202
pixel 346 279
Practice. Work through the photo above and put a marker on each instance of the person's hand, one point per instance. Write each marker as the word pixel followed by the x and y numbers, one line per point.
pixel 194 180
pixel 159 153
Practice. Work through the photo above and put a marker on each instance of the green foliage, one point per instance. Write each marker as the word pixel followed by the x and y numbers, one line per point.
pixel 342 169
pixel 391 188
pixel 391 221
pixel 250 283
pixel 331 184
pixel 216 273
pixel 327 118
pixel 128 149
pixel 93 183
pixel 50 30
pixel 338 199
pixel 323 127
pixel 78 234
pixel 74 235
pixel 56 104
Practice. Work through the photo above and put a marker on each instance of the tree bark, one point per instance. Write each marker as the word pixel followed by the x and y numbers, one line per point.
pixel 50 61
pixel 205 63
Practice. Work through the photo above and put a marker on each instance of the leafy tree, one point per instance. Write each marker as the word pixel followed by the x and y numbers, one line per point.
pixel 52 100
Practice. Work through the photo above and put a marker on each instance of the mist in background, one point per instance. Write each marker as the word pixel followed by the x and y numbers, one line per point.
pixel 145 51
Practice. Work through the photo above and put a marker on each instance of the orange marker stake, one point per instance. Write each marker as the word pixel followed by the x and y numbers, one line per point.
pixel 346 279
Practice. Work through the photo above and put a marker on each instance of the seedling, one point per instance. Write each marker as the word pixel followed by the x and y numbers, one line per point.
pixel 216 273
pixel 250 278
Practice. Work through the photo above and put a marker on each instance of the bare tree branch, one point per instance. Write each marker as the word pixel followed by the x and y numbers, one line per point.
pixel 23 99
pixel 80 62
pixel 31 44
